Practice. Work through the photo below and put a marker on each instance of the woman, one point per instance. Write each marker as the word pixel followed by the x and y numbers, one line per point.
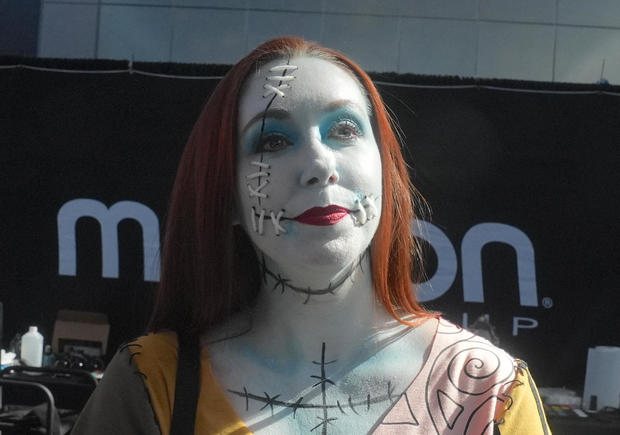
pixel 310 325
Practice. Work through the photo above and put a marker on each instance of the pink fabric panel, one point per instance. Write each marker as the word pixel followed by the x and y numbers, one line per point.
pixel 460 389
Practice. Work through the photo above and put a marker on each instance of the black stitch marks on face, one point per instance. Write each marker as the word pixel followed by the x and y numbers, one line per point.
pixel 262 127
pixel 364 210
pixel 284 283
pixel 267 400
pixel 275 219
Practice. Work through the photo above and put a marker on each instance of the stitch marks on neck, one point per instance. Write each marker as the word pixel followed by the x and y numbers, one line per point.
pixel 284 283
pixel 327 407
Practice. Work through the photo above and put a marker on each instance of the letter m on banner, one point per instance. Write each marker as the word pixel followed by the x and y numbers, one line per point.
pixel 108 219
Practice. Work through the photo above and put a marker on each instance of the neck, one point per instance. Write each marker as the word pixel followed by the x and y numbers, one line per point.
pixel 299 309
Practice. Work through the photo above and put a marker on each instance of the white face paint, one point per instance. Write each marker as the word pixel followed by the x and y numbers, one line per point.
pixel 308 166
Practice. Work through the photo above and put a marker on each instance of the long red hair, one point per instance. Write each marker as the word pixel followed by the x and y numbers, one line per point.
pixel 209 269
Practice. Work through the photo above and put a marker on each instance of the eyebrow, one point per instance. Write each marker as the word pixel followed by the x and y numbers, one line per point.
pixel 271 113
pixel 334 105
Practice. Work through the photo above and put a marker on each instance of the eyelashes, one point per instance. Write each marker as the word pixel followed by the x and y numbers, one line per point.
pixel 272 142
pixel 344 131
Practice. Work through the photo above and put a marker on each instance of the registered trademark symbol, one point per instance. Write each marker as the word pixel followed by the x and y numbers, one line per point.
pixel 547 302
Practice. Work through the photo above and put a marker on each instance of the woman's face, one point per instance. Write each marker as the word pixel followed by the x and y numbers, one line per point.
pixel 308 166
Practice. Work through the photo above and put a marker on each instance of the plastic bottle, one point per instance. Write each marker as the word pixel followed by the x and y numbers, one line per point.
pixel 32 347
pixel 48 356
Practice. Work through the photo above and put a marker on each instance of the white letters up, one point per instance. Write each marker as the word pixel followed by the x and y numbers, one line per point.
pixel 471 264
pixel 471 252
pixel 108 219
pixel 447 263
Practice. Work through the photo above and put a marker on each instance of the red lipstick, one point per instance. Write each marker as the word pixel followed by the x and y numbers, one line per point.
pixel 322 216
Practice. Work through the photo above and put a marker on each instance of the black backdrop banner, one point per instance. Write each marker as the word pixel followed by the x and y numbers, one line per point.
pixel 522 179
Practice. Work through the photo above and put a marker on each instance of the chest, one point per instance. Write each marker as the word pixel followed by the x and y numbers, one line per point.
pixel 321 395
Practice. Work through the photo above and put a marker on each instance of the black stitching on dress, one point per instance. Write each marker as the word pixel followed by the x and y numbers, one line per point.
pixel 127 346
pixel 508 399
pixel 132 355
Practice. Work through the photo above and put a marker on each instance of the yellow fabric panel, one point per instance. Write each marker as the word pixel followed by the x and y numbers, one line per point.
pixel 524 413
pixel 155 355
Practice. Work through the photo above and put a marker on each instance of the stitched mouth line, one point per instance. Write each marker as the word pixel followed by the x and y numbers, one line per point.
pixel 258 224
pixel 363 211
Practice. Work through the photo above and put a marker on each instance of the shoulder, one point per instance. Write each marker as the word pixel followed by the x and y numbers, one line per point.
pixel 164 342
pixel 156 349
pixel 120 403
pixel 481 380
pixel 523 410
pixel 466 365
pixel 155 356
pixel 461 348
pixel 466 380
pixel 467 385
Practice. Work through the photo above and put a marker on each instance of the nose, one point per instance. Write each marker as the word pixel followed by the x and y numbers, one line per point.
pixel 320 169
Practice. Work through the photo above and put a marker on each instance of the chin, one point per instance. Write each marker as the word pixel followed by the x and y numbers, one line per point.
pixel 326 256
pixel 320 249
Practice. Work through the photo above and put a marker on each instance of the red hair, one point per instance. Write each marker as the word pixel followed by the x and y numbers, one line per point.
pixel 209 269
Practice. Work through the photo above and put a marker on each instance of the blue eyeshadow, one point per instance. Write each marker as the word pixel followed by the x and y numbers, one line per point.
pixel 341 114
pixel 272 126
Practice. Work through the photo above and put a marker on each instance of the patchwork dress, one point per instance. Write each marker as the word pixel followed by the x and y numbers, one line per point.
pixel 465 386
